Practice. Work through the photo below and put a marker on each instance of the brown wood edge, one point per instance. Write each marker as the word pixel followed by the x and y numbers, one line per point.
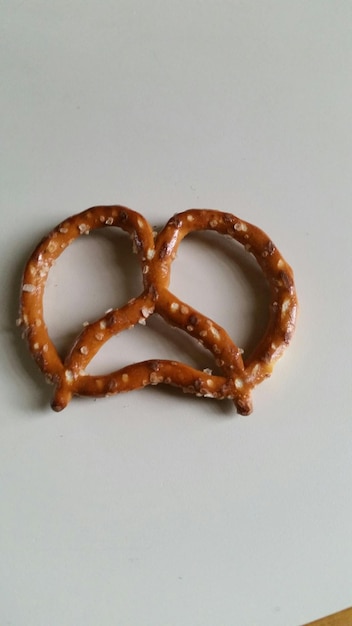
pixel 342 618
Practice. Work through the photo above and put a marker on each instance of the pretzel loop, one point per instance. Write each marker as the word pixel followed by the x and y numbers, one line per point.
pixel 237 377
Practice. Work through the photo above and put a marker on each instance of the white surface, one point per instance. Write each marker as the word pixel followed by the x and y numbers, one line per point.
pixel 154 508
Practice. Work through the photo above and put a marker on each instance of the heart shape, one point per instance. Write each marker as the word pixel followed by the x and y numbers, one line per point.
pixel 155 256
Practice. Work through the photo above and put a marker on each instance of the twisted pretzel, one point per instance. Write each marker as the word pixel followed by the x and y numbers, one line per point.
pixel 155 256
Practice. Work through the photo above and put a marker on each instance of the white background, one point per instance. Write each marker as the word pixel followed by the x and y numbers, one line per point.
pixel 154 508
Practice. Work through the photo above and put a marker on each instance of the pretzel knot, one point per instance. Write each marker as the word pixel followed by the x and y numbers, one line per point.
pixel 237 376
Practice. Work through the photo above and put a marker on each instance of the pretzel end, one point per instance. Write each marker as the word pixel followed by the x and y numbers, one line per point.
pixel 243 405
pixel 62 397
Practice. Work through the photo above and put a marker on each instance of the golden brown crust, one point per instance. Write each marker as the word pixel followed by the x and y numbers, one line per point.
pixel 237 378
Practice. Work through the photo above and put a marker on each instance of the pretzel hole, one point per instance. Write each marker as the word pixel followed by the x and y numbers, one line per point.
pixel 154 340
pixel 216 275
pixel 93 274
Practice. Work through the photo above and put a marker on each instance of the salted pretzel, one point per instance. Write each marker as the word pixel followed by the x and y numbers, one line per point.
pixel 237 377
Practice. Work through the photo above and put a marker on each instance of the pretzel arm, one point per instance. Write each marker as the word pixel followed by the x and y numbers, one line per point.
pixel 212 336
pixel 94 335
pixel 91 340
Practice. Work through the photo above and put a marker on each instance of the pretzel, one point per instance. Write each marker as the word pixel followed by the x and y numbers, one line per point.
pixel 238 375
